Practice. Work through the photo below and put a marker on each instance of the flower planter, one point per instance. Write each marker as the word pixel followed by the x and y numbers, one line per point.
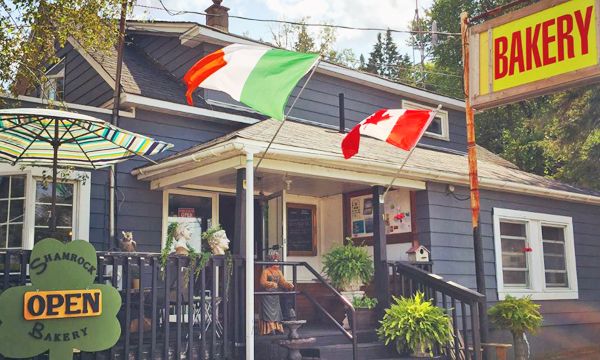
pixel 366 319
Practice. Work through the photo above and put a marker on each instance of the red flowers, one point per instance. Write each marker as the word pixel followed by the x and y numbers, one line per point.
pixel 527 250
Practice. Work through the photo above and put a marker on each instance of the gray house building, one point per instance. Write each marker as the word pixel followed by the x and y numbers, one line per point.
pixel 201 181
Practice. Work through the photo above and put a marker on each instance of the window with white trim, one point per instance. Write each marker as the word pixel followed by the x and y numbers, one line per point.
pixel 439 128
pixel 535 255
pixel 25 207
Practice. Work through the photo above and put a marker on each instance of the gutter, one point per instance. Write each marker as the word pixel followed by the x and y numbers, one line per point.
pixel 313 156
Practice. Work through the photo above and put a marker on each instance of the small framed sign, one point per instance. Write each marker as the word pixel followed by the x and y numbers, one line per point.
pixel 186 212
pixel 301 230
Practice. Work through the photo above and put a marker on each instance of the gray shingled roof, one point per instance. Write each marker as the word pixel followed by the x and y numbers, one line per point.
pixel 327 140
pixel 141 75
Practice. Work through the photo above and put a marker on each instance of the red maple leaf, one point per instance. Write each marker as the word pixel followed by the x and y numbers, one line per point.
pixel 377 117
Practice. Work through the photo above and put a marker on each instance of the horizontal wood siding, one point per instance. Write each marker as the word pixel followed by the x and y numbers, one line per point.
pixel 444 225
pixel 83 85
pixel 318 102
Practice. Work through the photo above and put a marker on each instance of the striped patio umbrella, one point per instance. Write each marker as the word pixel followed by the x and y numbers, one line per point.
pixel 53 137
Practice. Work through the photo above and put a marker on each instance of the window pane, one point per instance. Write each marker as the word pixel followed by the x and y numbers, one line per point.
pixel 556 279
pixel 17 208
pixel 512 229
pixel 512 245
pixel 4 184
pixel 515 277
pixel 551 248
pixel 554 263
pixel 191 206
pixel 435 127
pixel 64 193
pixel 514 261
pixel 63 235
pixel 15 235
pixel 3 211
pixel 64 215
pixel 3 236
pixel 553 233
pixel 17 188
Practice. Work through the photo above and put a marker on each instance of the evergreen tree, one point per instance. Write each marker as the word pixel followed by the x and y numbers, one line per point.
pixel 362 65
pixel 374 65
pixel 391 57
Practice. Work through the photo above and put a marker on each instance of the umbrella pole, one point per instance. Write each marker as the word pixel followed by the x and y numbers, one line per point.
pixel 55 145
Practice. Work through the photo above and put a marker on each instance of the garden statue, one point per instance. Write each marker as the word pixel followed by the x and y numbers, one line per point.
pixel 218 242
pixel 182 234
pixel 272 279
pixel 127 244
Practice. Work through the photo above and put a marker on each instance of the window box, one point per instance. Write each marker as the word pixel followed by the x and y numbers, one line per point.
pixel 535 255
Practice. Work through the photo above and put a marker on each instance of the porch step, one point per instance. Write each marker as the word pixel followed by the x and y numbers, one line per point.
pixel 369 351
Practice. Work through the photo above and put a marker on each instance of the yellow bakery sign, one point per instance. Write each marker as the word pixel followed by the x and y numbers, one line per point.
pixel 542 48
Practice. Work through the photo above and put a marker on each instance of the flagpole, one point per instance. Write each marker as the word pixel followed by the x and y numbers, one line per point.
pixel 288 112
pixel 382 197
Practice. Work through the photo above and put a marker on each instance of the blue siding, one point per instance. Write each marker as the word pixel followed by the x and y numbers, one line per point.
pixel 444 225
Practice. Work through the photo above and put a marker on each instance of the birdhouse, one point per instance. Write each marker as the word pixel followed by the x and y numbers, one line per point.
pixel 418 253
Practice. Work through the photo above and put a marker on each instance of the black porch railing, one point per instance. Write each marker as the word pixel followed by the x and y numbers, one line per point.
pixel 351 336
pixel 459 302
pixel 170 315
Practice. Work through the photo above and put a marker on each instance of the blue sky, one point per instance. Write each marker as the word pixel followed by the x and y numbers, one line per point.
pixel 395 14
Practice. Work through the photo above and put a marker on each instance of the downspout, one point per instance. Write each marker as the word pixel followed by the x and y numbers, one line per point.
pixel 112 173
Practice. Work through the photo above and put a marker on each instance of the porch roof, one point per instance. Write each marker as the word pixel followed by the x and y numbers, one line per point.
pixel 320 146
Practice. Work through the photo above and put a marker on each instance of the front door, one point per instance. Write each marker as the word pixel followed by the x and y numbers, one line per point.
pixel 274 224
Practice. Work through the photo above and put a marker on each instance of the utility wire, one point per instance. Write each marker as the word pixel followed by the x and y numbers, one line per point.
pixel 184 12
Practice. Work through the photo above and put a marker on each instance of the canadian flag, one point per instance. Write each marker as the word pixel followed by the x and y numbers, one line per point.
pixel 399 127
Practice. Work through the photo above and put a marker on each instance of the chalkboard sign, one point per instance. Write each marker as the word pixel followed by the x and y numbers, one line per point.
pixel 301 230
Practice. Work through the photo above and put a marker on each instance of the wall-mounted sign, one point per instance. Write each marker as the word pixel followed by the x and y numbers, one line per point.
pixel 542 48
pixel 62 309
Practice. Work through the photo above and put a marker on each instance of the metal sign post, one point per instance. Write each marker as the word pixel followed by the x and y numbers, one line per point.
pixel 474 183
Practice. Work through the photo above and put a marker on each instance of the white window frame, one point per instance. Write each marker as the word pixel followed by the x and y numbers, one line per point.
pixel 81 200
pixel 537 280
pixel 165 212
pixel 441 114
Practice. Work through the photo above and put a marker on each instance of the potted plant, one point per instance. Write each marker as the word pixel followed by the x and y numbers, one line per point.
pixel 416 324
pixel 364 310
pixel 348 268
pixel 518 316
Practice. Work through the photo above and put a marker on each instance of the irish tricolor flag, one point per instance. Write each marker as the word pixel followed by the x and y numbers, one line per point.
pixel 260 77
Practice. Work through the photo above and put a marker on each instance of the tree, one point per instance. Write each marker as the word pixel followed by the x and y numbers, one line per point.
pixel 32 30
pixel 375 62
pixel 390 57
pixel 304 42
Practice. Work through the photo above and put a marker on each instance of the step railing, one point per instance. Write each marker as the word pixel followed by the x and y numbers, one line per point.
pixel 460 303
pixel 352 336
pixel 175 314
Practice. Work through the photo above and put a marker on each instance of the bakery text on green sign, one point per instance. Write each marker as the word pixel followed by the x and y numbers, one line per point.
pixel 63 309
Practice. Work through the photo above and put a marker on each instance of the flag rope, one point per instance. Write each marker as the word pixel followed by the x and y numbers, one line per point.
pixel 382 197
pixel 289 111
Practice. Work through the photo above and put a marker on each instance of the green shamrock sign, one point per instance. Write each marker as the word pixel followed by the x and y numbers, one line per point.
pixel 63 309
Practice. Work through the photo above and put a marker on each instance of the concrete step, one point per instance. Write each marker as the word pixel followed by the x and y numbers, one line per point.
pixel 369 351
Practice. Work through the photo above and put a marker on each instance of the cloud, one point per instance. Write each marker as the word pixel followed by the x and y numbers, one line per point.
pixel 395 14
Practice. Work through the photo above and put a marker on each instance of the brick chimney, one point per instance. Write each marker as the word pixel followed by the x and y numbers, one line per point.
pixel 217 17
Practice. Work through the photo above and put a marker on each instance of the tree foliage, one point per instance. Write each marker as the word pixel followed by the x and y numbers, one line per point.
pixel 300 38
pixel 32 30
pixel 556 136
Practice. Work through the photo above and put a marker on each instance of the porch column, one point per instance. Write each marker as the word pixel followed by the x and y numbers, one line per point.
pixel 250 253
pixel 239 241
pixel 381 282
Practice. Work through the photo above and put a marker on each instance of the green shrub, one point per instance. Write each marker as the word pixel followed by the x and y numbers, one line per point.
pixel 364 302
pixel 517 315
pixel 416 324
pixel 348 264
